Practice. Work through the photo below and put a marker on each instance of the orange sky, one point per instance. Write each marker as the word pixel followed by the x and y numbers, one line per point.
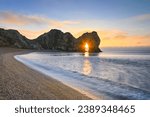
pixel 109 38
pixel 129 32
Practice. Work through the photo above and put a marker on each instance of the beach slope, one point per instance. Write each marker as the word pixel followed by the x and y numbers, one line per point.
pixel 18 81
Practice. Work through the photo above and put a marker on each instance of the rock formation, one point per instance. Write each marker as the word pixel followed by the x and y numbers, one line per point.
pixel 12 38
pixel 52 40
pixel 92 39
pixel 56 40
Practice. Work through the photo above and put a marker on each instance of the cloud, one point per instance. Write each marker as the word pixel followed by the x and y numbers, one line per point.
pixel 143 17
pixel 112 33
pixel 18 19
pixel 31 25
pixel 32 34
pixel 11 18
pixel 126 32
pixel 122 39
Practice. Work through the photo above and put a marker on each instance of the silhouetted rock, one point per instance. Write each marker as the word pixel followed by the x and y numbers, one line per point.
pixel 12 38
pixel 52 40
pixel 92 39
pixel 56 40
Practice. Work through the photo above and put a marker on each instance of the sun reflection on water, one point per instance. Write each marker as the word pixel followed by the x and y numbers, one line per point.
pixel 87 67
pixel 86 54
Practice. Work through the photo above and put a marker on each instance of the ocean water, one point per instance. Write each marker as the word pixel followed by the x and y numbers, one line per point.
pixel 116 73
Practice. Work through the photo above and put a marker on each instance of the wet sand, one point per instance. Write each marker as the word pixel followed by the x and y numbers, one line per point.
pixel 19 82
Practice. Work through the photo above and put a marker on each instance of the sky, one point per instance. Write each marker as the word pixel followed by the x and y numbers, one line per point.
pixel 119 23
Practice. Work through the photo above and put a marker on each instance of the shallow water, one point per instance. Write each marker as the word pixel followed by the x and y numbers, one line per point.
pixel 116 73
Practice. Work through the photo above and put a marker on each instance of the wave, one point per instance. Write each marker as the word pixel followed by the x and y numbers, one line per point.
pixel 98 87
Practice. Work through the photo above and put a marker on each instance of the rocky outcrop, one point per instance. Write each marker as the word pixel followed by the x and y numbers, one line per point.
pixel 56 40
pixel 92 39
pixel 52 40
pixel 12 38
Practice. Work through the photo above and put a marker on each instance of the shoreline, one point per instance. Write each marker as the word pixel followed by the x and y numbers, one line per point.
pixel 56 77
pixel 21 82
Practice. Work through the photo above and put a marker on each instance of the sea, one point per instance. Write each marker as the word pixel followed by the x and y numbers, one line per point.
pixel 114 74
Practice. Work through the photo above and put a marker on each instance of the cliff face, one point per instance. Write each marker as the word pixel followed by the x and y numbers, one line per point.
pixel 92 39
pixel 12 38
pixel 53 40
pixel 56 40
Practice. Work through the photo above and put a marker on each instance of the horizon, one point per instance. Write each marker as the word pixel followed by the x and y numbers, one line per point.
pixel 118 23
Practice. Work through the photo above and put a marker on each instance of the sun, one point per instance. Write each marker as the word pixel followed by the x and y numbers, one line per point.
pixel 86 47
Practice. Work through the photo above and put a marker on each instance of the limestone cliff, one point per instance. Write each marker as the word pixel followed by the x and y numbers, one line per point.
pixel 92 39
pixel 12 38
pixel 56 40
pixel 52 40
